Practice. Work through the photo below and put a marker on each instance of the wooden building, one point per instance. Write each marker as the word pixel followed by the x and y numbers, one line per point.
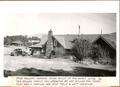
pixel 62 44
pixel 17 43
pixel 107 44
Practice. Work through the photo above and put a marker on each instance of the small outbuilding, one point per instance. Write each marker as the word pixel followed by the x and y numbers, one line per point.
pixel 35 48
pixel 107 43
pixel 17 43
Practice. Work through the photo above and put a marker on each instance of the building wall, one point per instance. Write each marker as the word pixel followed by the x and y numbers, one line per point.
pixel 68 51
pixel 58 48
pixel 59 51
pixel 53 46
pixel 106 47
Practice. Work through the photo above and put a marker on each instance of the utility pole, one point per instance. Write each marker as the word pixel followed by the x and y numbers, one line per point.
pixel 101 31
pixel 79 31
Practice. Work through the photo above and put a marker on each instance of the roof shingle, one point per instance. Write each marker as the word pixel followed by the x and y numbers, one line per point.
pixel 65 40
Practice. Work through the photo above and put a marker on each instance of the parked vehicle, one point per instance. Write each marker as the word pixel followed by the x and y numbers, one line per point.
pixel 18 52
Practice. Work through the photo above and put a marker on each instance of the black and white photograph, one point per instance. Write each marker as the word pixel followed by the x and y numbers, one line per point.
pixel 60 44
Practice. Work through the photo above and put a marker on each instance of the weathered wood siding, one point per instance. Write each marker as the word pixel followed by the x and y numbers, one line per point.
pixel 106 47
pixel 58 48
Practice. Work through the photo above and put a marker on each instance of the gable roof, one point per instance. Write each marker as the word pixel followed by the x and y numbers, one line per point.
pixel 110 39
pixel 65 40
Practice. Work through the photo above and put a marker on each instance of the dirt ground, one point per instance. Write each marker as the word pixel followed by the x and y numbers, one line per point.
pixel 17 62
pixel 14 63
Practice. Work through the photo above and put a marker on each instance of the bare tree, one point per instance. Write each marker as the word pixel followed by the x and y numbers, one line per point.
pixel 81 49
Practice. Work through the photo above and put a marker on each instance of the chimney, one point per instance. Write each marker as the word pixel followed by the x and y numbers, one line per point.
pixel 50 33
pixel 49 45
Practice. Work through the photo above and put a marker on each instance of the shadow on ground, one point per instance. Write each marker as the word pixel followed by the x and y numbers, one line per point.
pixel 78 71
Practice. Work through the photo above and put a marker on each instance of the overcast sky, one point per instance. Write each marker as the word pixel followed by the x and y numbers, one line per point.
pixel 60 23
